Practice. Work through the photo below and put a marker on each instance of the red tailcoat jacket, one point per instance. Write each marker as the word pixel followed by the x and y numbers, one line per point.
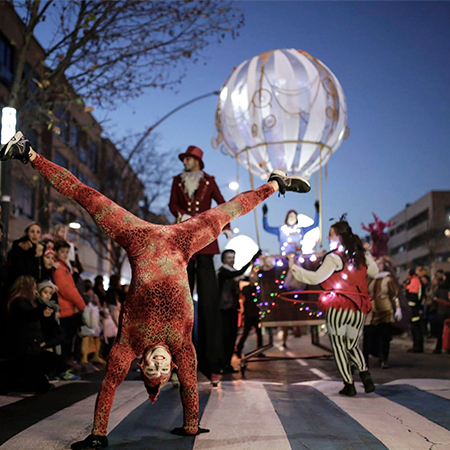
pixel 180 203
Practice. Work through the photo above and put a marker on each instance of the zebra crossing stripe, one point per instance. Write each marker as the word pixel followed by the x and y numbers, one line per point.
pixel 428 405
pixel 435 386
pixel 241 416
pixel 398 427
pixel 75 422
pixel 312 421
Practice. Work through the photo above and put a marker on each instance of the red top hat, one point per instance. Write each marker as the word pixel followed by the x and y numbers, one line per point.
pixel 194 152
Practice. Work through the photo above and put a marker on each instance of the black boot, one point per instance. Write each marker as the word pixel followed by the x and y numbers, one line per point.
pixel 287 183
pixel 91 442
pixel 349 390
pixel 17 148
pixel 367 381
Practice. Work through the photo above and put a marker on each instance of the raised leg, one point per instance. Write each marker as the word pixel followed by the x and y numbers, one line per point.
pixel 111 218
pixel 201 230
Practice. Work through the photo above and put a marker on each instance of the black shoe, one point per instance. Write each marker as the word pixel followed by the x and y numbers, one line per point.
pixel 414 350
pixel 91 442
pixel 230 369
pixel 384 365
pixel 349 390
pixel 17 148
pixel 289 183
pixel 367 381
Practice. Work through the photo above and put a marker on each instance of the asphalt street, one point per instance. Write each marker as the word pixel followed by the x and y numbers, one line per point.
pixel 286 400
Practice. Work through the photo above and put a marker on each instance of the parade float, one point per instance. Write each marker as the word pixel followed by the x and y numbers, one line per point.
pixel 283 109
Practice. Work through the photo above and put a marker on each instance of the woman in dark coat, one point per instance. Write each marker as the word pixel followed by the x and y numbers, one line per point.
pixel 25 256
pixel 27 344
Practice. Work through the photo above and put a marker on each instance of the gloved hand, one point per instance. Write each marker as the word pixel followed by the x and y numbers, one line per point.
pixel 265 209
pixel 181 431
pixel 398 314
pixel 228 233
pixel 317 206
pixel 256 255
pixel 185 217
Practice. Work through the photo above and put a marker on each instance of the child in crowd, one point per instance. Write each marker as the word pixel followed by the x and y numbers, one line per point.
pixel 48 266
pixel 69 299
pixel 91 330
pixel 109 329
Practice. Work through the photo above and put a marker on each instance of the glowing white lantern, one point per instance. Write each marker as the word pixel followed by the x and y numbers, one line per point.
pixel 8 124
pixel 283 109
pixel 245 247
pixel 311 238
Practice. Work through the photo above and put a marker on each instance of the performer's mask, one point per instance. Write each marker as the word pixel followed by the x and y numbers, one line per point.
pixel 156 369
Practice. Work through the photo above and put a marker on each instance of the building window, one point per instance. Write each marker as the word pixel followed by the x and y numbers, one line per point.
pixel 74 137
pixel 23 200
pixel 74 169
pixel 64 122
pixel 61 160
pixel 93 157
pixel 6 60
pixel 418 219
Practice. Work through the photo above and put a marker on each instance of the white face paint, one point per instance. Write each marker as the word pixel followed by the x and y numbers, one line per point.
pixel 157 363
pixel 334 239
pixel 291 219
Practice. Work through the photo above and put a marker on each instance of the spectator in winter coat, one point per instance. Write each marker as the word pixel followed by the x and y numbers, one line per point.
pixel 32 362
pixel 69 299
pixel 252 317
pixel 109 330
pixel 61 233
pixel 48 264
pixel 99 289
pixel 441 306
pixel 229 279
pixel 413 288
pixel 91 330
pixel 25 256
pixel 50 326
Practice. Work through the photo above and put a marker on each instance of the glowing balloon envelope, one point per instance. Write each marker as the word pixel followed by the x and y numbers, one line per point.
pixel 245 247
pixel 283 109
pixel 311 238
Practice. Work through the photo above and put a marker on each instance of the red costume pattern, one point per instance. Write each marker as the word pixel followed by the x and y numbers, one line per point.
pixel 349 279
pixel 158 309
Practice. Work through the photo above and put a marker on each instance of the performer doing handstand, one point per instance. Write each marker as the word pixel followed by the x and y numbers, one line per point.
pixel 157 316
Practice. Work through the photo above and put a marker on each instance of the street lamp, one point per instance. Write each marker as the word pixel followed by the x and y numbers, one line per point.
pixel 74 225
pixel 8 130
pixel 9 122
pixel 234 185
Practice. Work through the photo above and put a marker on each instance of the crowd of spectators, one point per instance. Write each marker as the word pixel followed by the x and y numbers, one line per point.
pixel 427 307
pixel 55 325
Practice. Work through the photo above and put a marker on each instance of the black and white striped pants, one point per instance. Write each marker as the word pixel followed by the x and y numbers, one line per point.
pixel 345 329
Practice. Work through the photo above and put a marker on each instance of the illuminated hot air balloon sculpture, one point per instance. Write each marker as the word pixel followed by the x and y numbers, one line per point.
pixel 283 109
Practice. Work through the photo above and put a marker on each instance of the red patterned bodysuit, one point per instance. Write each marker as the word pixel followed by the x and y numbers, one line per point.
pixel 158 309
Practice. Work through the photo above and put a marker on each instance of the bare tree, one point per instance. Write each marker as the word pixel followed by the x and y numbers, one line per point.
pixel 108 51
pixel 104 52
pixel 140 186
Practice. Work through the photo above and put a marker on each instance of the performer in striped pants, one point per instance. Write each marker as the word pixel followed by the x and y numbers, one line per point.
pixel 342 275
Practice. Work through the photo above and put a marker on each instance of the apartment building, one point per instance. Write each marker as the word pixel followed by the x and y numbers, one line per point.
pixel 74 142
pixel 421 234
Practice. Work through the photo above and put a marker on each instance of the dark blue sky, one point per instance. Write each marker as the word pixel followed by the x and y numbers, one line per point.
pixel 392 60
